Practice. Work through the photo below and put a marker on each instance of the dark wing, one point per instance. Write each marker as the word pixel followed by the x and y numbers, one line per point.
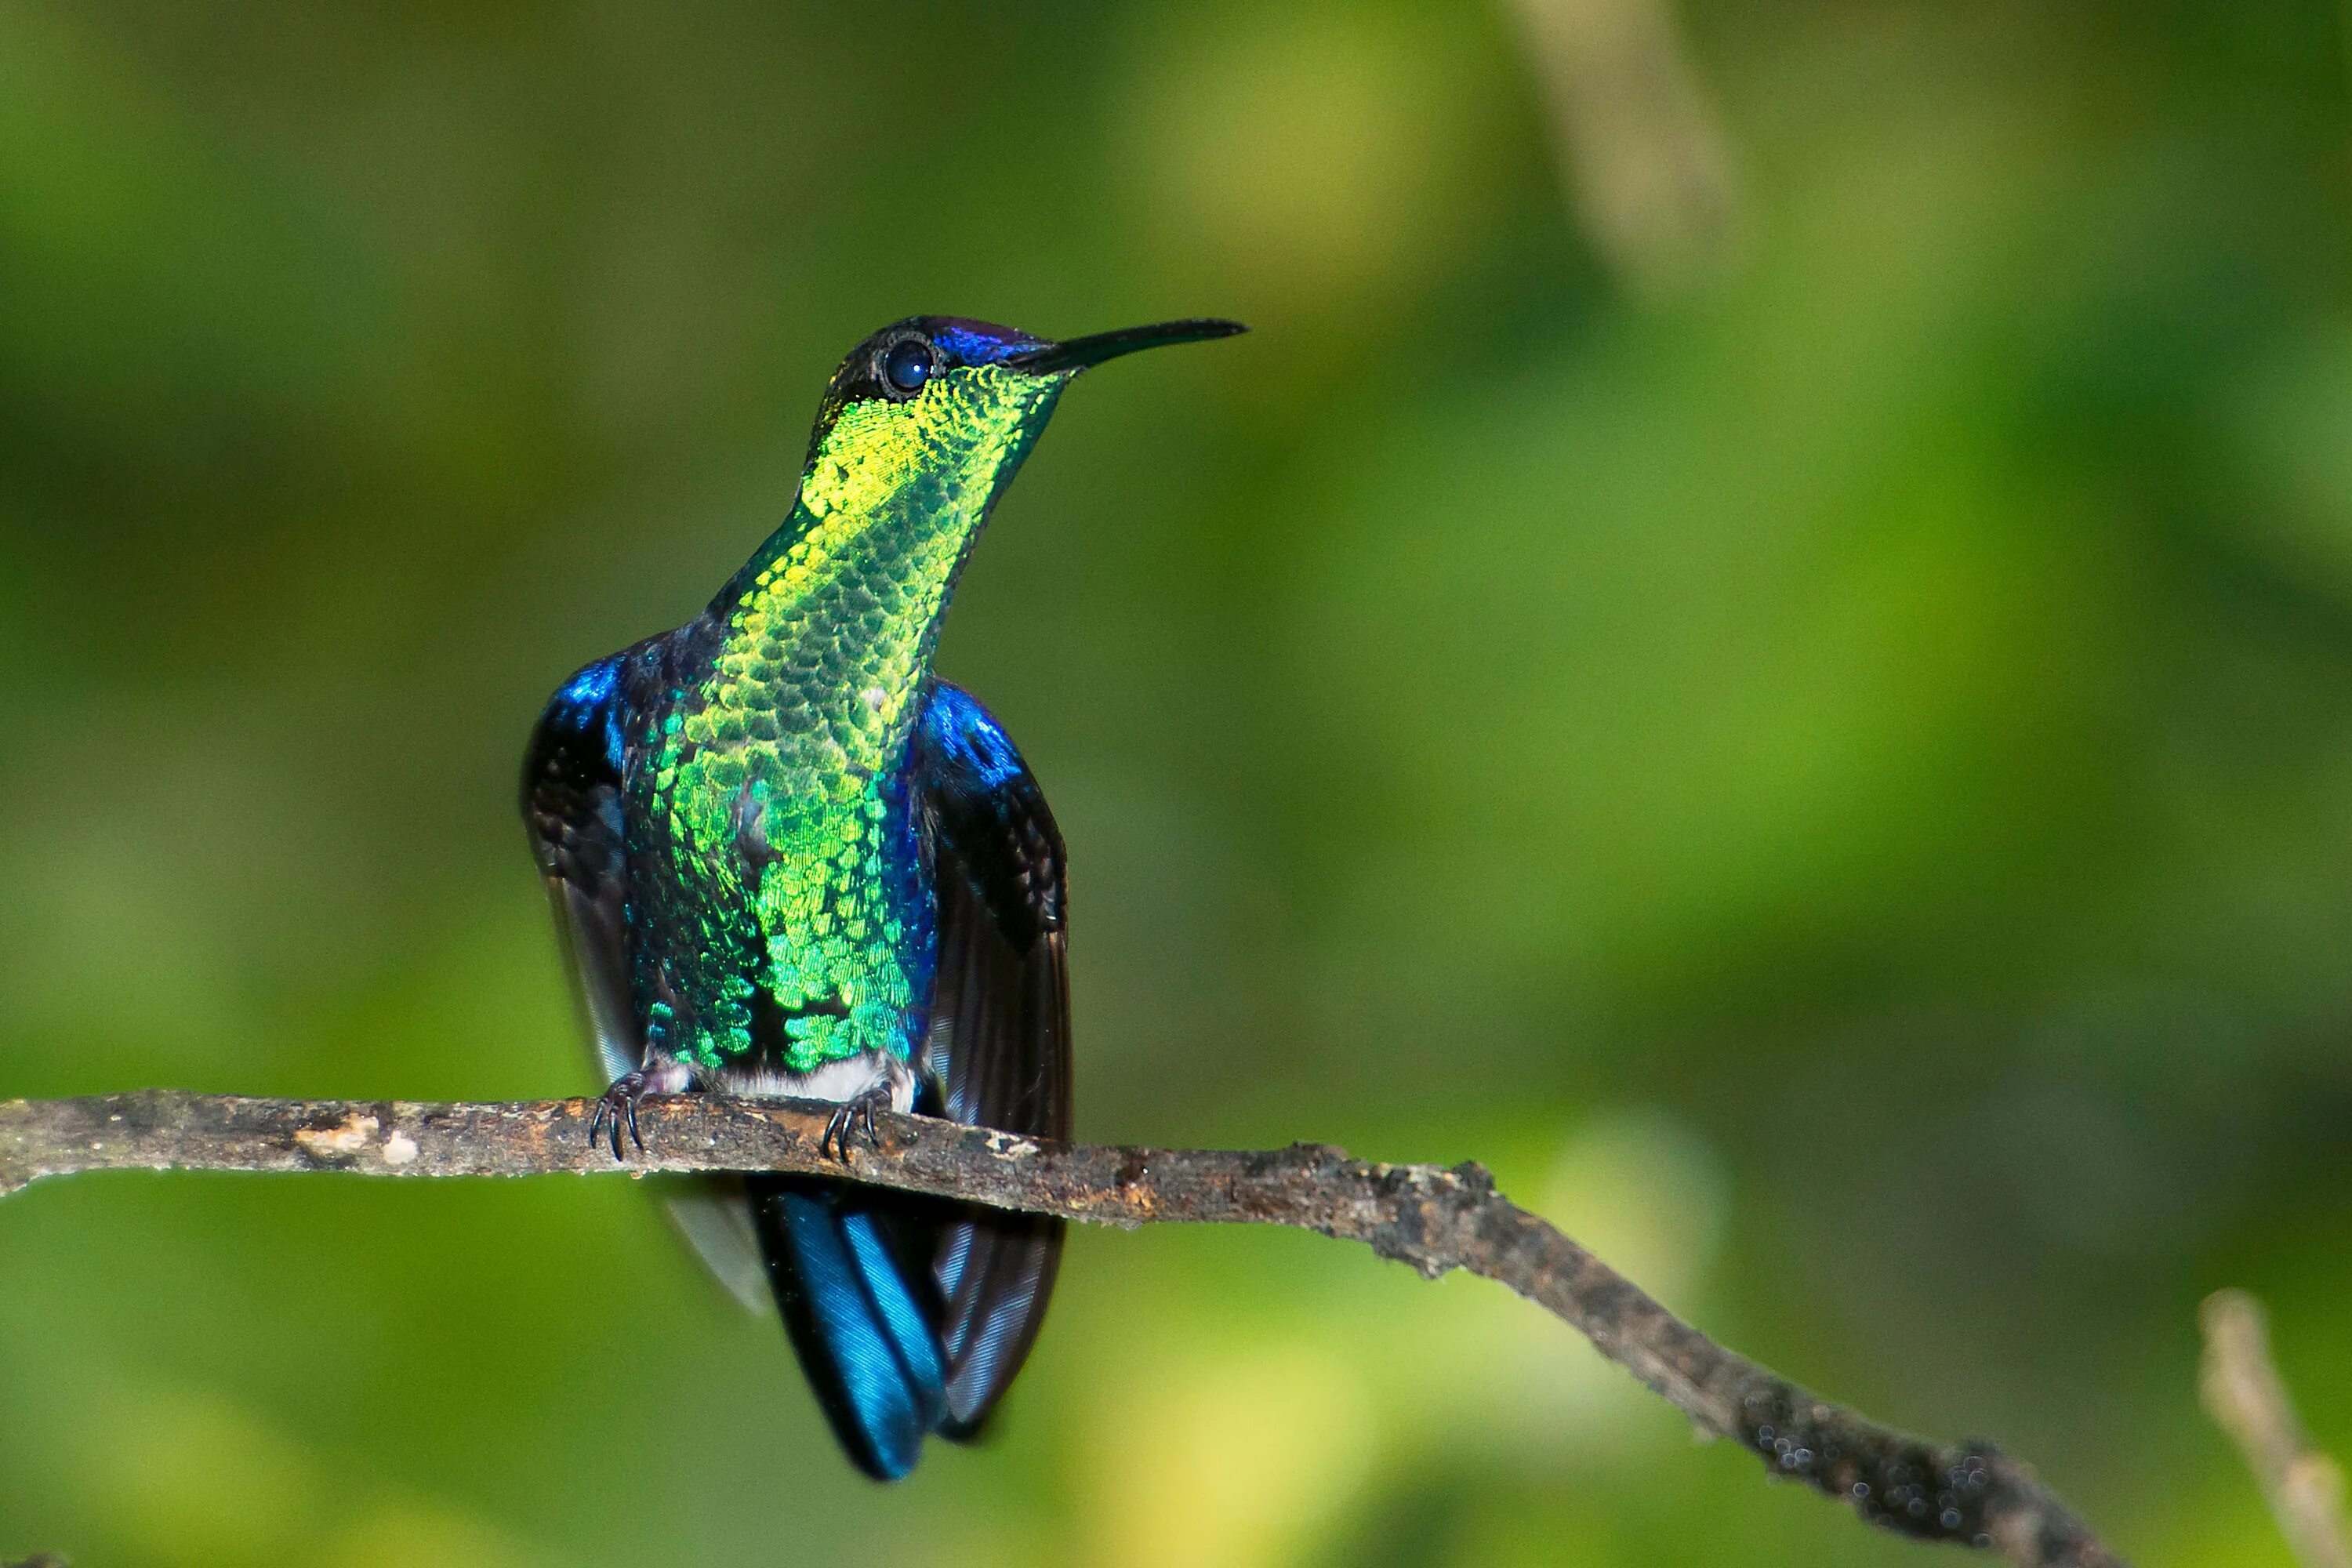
pixel 1000 1042
pixel 571 805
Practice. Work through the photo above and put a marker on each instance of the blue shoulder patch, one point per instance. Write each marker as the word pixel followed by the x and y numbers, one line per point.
pixel 583 705
pixel 965 738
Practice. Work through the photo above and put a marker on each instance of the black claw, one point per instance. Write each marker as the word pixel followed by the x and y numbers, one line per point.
pixel 616 1106
pixel 850 1116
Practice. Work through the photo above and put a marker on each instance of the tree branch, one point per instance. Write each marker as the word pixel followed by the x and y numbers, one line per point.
pixel 2247 1399
pixel 1431 1218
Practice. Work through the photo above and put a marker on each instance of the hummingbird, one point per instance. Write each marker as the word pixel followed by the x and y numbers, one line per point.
pixel 787 860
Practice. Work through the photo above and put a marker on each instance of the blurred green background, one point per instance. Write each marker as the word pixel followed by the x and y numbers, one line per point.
pixel 1760 637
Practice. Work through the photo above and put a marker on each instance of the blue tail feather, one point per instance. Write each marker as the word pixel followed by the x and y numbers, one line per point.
pixel 856 1315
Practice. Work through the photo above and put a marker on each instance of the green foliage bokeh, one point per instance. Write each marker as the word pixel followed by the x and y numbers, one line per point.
pixel 1834 779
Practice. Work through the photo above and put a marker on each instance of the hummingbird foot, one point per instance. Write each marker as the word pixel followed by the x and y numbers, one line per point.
pixel 855 1115
pixel 617 1106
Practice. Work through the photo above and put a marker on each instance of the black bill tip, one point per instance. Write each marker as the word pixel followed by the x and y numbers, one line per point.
pixel 1080 353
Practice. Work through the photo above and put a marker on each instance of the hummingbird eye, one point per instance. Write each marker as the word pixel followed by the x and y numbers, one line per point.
pixel 907 365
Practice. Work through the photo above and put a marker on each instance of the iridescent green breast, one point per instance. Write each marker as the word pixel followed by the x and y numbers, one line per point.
pixel 771 786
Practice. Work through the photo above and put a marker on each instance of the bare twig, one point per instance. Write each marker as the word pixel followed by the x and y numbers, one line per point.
pixel 1647 165
pixel 1431 1218
pixel 2245 1397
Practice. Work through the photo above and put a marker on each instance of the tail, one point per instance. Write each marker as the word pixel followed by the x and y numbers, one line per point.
pixel 851 1270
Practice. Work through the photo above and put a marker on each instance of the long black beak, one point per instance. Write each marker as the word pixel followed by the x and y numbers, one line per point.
pixel 1079 352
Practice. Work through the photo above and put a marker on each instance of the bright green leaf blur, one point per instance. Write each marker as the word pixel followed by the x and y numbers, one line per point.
pixel 1828 763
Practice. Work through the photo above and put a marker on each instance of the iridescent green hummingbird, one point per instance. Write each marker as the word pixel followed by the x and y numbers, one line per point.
pixel 787 860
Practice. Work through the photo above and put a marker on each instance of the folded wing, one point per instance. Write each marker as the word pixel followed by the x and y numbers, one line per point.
pixel 1000 1040
pixel 572 807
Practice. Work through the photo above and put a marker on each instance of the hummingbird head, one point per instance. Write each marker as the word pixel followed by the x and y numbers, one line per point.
pixel 920 430
pixel 950 406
